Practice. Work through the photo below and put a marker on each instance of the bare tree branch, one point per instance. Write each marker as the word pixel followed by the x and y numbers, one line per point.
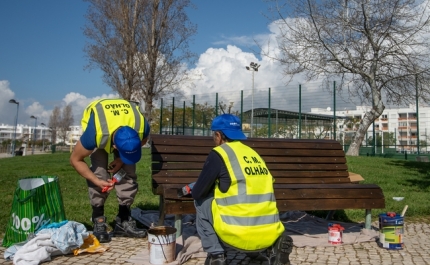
pixel 376 47
pixel 140 45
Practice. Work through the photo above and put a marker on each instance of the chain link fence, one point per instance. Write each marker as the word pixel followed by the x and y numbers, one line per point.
pixel 306 111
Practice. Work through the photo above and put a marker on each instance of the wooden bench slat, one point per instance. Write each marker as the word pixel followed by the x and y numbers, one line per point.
pixel 175 149
pixel 198 150
pixel 363 193
pixel 302 191
pixel 184 157
pixel 292 167
pixel 178 157
pixel 329 204
pixel 278 175
pixel 294 205
pixel 186 180
pixel 300 152
pixel 304 159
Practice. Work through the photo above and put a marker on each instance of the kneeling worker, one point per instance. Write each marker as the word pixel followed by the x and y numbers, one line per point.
pixel 235 201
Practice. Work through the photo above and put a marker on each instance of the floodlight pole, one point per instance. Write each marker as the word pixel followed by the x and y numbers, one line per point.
pixel 16 125
pixel 254 68
pixel 34 134
pixel 43 136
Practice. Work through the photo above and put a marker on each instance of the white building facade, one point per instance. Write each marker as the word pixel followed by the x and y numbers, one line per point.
pixel 28 134
pixel 403 123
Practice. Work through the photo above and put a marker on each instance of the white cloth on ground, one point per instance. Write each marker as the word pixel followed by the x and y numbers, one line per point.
pixel 64 239
pixel 36 251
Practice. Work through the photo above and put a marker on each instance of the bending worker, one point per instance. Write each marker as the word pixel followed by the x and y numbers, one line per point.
pixel 111 126
pixel 235 203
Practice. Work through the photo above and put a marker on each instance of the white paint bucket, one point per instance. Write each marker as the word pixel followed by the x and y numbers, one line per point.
pixel 162 244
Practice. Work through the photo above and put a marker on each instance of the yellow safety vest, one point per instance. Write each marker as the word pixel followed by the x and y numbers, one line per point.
pixel 246 216
pixel 109 115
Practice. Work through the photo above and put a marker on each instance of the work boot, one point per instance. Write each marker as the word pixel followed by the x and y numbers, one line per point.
pixel 279 252
pixel 127 228
pixel 100 229
pixel 215 259
pixel 258 256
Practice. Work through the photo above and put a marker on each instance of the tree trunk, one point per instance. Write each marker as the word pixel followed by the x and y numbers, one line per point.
pixel 367 120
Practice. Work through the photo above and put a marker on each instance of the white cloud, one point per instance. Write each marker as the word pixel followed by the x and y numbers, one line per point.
pixel 218 70
pixel 38 111
pixel 7 110
pixel 25 111
pixel 79 102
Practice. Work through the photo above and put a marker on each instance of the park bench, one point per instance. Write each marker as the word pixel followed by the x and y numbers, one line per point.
pixel 309 174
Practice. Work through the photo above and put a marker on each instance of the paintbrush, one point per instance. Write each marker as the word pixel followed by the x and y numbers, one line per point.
pixel 117 177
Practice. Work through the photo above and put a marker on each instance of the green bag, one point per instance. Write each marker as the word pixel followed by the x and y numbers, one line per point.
pixel 37 201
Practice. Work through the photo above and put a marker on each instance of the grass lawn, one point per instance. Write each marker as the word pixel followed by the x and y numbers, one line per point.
pixel 399 178
pixel 73 186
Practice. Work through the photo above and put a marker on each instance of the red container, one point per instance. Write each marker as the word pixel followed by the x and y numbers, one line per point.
pixel 335 232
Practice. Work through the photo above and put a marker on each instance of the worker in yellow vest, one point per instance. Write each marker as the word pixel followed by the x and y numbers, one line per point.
pixel 235 201
pixel 111 126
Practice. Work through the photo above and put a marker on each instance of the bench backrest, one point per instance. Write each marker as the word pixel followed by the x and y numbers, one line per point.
pixel 179 159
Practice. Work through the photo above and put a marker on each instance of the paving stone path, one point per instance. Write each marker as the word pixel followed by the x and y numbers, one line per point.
pixel 416 251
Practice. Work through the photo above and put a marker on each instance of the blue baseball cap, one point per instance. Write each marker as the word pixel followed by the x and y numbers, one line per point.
pixel 230 125
pixel 128 144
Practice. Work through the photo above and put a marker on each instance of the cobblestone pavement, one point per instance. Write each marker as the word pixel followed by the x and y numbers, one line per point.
pixel 416 251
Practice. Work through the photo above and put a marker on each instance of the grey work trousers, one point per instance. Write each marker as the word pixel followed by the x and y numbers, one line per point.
pixel 126 189
pixel 204 224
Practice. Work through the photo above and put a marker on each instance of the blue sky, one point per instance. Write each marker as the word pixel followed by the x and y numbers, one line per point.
pixel 42 59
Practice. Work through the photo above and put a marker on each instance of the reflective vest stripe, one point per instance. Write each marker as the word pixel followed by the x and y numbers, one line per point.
pixel 254 198
pixel 250 221
pixel 237 169
pixel 103 125
pixel 137 122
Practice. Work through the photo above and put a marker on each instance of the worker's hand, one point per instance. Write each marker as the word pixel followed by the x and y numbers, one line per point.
pixel 115 165
pixel 106 186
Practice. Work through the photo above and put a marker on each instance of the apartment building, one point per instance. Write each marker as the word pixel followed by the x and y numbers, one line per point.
pixel 403 123
pixel 27 133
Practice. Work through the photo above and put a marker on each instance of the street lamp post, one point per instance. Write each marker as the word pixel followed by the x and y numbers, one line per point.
pixel 43 136
pixel 52 135
pixel 254 68
pixel 16 125
pixel 34 134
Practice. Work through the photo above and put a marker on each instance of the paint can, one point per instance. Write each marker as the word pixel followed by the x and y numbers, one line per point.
pixel 391 231
pixel 162 244
pixel 335 232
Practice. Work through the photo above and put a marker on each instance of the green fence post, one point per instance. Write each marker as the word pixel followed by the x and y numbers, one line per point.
pixel 395 140
pixel 373 139
pixel 334 110
pixel 183 120
pixel 241 106
pixel 269 117
pixel 300 112
pixel 194 112
pixel 161 117
pixel 173 114
pixel 216 104
pixel 204 124
pixel 417 110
